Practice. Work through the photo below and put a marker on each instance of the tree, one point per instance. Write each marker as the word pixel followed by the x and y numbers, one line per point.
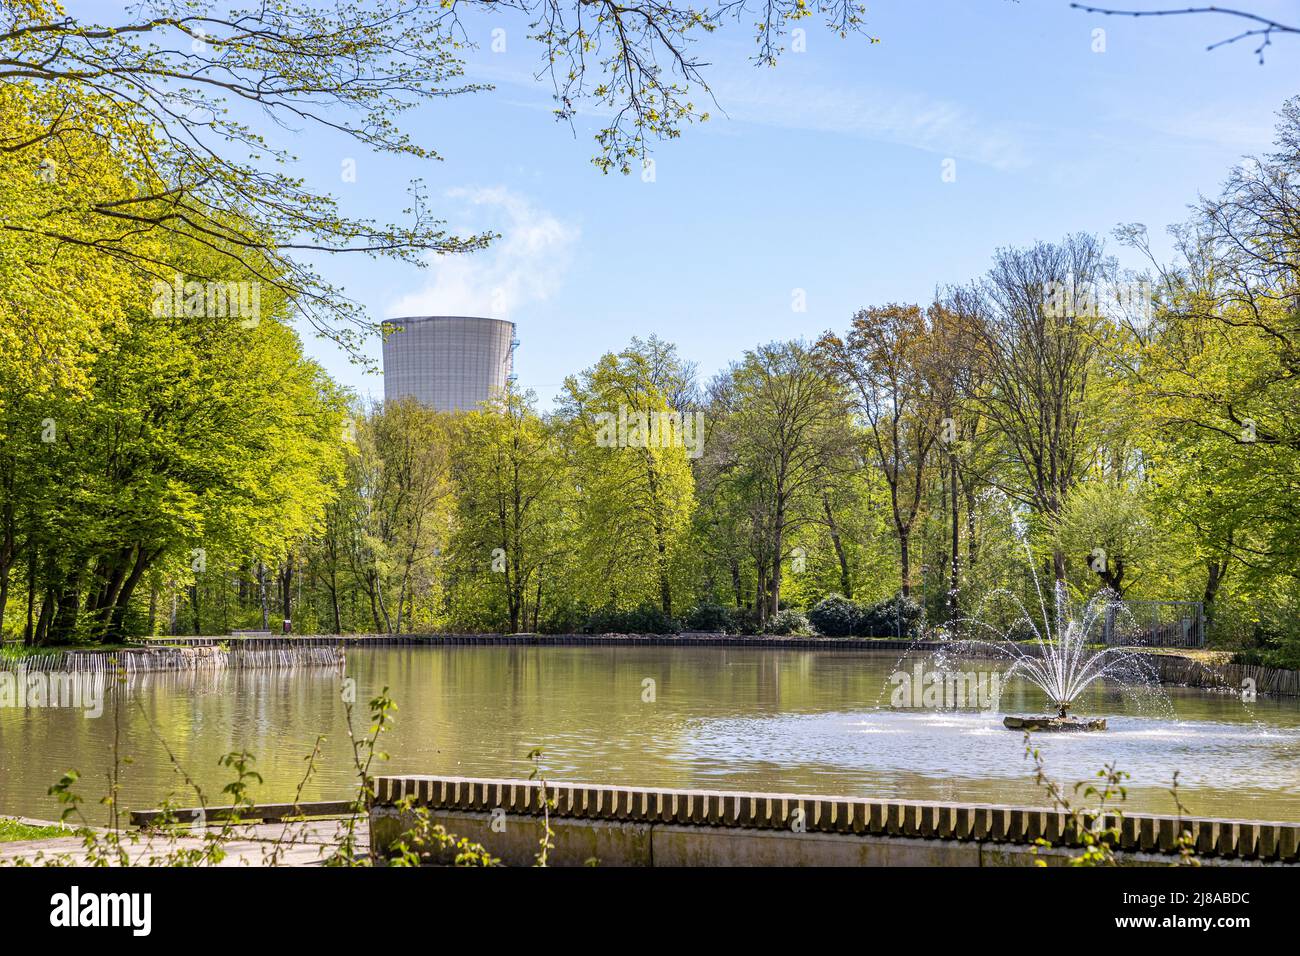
pixel 401 471
pixel 1218 375
pixel 1036 327
pixel 630 450
pixel 511 510
pixel 887 360
pixel 171 86
pixel 184 445
pixel 1107 526
pixel 1260 26
pixel 784 434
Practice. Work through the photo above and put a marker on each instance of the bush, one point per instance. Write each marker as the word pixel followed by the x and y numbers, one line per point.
pixel 835 616
pixel 788 623
pixel 898 616
pixel 745 621
pixel 711 617
pixel 646 619
pixel 1286 658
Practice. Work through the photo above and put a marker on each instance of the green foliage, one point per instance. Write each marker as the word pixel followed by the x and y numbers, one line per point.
pixel 632 487
pixel 711 617
pixel 12 830
pixel 646 619
pixel 788 622
pixel 1286 656
pixel 898 616
pixel 835 616
pixel 188 469
pixel 510 548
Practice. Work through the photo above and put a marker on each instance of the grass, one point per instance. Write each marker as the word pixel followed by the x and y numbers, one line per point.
pixel 12 830
pixel 15 650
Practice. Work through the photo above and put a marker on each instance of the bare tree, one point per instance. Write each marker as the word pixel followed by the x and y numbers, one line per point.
pixel 1262 26
pixel 1034 322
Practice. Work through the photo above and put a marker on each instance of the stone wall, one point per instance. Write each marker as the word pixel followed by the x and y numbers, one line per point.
pixel 184 657
pixel 636 826
pixel 1189 672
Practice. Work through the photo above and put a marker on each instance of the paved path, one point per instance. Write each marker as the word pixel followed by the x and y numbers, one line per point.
pixel 305 843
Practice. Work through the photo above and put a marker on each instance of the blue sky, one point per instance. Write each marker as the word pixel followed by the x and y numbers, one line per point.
pixel 822 175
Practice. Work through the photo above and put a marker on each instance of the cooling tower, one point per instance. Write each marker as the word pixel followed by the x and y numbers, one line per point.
pixel 449 362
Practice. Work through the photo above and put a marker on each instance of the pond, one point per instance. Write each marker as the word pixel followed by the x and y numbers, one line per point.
pixel 814 722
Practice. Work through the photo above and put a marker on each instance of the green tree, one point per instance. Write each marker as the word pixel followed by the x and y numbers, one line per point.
pixel 511 522
pixel 631 435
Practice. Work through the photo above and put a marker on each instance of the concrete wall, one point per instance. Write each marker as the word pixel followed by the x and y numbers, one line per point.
pixel 632 826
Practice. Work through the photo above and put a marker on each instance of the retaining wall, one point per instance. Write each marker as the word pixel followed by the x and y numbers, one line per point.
pixel 639 826
pixel 199 657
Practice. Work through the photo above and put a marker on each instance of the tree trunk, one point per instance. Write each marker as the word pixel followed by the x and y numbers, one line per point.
pixel 1058 564
pixel 1218 568
pixel 846 580
pixel 371 585
pixel 955 580
pixel 778 545
pixel 661 545
pixel 122 600
pixel 972 542
pixel 47 614
pixel 261 590
pixel 905 558
pixel 29 634
pixel 4 597
pixel 537 601
pixel 334 600
pixel 286 589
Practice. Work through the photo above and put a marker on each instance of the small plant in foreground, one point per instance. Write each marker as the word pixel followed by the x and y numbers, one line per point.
pixel 1088 825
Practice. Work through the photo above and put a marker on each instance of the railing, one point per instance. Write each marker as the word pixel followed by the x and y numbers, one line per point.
pixel 1155 624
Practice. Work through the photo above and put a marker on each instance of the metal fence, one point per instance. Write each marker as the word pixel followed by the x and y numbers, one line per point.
pixel 1155 624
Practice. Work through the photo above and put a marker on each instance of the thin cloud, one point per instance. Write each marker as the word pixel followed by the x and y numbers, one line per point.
pixel 525 266
pixel 912 119
pixel 906 119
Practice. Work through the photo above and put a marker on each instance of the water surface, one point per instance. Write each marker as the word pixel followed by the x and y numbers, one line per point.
pixel 815 722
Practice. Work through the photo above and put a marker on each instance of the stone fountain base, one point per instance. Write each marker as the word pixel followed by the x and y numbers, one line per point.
pixel 1053 723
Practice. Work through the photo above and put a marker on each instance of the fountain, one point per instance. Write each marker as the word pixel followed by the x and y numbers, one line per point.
pixel 1060 660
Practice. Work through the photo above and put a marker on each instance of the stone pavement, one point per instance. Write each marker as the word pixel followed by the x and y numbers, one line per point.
pixel 301 843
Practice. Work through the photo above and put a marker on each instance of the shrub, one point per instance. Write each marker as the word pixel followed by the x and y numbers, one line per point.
pixel 897 616
pixel 646 619
pixel 835 616
pixel 788 622
pixel 1286 658
pixel 711 617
